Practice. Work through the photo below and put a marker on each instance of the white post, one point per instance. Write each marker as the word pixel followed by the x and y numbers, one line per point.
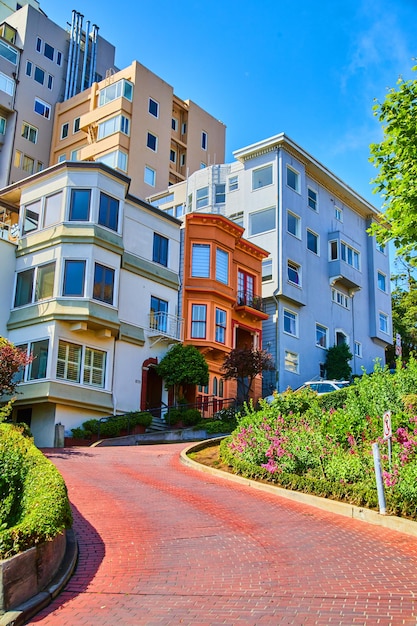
pixel 378 477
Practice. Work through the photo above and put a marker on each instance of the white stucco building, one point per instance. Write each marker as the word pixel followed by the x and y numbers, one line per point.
pixel 326 280
pixel 94 296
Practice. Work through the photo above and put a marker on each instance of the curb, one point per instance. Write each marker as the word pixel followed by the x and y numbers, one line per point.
pixel 398 524
pixel 22 613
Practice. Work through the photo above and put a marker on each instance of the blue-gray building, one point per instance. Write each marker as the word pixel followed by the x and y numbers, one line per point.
pixel 326 280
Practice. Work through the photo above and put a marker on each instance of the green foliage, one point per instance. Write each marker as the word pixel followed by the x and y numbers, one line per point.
pixel 12 360
pixel 113 426
pixel 395 158
pixel 337 362
pixel 404 311
pixel 243 364
pixel 183 365
pixel 323 444
pixel 34 504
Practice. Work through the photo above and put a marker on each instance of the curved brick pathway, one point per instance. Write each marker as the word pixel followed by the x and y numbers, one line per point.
pixel 161 543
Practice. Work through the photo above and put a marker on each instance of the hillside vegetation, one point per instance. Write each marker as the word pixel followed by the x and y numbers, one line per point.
pixel 323 444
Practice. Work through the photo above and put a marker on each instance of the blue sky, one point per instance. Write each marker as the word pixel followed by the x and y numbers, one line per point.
pixel 311 68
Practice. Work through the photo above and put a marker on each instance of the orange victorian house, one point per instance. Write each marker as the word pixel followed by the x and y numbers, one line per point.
pixel 221 304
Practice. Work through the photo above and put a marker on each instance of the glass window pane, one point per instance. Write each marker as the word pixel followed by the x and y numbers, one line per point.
pixel 222 266
pixel 68 365
pixel 45 282
pixel 80 205
pixel 94 367
pixel 262 177
pixel 198 321
pixel 31 221
pixel 262 221
pixel 200 260
pixel 24 288
pixel 52 212
pixel 74 274
pixel 103 283
pixel 108 214
pixel 37 369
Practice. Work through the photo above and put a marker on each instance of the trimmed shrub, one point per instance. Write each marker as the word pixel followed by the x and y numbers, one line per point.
pixel 34 501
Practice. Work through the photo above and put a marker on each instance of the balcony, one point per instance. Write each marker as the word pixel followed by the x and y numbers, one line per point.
pixel 249 303
pixel 165 327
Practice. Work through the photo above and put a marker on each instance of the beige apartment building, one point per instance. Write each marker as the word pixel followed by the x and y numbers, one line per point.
pixel 39 60
pixel 133 122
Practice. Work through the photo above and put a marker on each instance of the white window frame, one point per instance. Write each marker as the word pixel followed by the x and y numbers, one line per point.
pixel 293 317
pixel 64 130
pixel 6 84
pixel 297 222
pixel 233 183
pixel 291 362
pixel 202 197
pixel 324 334
pixel 149 176
pixel 297 187
pixel 204 140
pixel 357 348
pixel 157 107
pixel 258 183
pixel 47 108
pixel 316 239
pixel 383 277
pixel 31 130
pixel 340 298
pixel 149 134
pixel 338 213
pixel 347 251
pixel 253 216
pixel 383 322
pixel 296 267
pixel 313 202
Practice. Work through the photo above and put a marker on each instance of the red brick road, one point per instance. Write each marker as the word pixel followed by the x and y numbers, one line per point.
pixel 161 543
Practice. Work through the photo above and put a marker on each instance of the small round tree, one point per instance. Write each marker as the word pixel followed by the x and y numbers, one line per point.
pixel 183 365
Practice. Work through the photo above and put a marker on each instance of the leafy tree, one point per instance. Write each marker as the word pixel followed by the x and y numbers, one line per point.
pixel 337 362
pixel 12 360
pixel 183 365
pixel 243 364
pixel 395 157
pixel 404 311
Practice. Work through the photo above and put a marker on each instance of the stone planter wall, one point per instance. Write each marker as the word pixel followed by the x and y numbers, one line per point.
pixel 26 574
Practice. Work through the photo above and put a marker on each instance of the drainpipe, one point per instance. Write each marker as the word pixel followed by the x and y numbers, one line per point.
pixel 87 41
pixel 278 290
pixel 93 61
pixel 74 51
pixel 70 55
pixel 77 56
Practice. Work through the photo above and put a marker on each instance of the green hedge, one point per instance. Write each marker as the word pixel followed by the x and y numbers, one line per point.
pixel 34 505
pixel 113 426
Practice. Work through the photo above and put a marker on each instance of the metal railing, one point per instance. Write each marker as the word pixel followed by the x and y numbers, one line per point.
pixel 248 298
pixel 162 323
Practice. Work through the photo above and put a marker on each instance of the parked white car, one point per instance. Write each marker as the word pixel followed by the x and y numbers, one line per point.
pixel 320 386
pixel 324 386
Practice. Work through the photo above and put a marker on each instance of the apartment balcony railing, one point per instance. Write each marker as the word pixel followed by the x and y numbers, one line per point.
pixel 162 324
pixel 249 299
